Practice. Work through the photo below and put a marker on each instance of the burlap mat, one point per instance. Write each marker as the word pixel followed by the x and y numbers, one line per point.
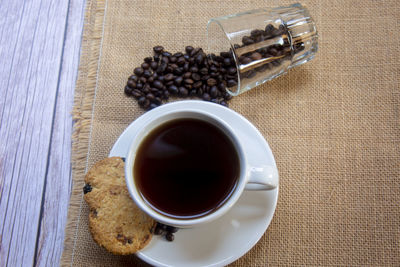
pixel 332 124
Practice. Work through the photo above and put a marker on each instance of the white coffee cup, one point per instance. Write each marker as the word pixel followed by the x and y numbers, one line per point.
pixel 250 177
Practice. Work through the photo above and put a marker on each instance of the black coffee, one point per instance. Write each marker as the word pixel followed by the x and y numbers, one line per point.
pixel 186 168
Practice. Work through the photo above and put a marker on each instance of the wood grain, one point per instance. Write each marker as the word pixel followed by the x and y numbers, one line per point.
pixel 36 89
pixel 58 180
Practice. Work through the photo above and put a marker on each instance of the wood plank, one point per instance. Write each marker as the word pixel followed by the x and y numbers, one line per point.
pixel 58 180
pixel 31 44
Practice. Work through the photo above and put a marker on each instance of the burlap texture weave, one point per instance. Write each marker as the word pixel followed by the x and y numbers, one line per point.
pixel 332 124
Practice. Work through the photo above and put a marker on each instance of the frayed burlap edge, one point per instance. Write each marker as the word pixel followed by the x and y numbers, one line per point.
pixel 82 115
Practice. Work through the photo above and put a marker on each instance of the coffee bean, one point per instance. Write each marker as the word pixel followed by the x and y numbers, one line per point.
pixel 186 67
pixel 153 106
pixel 178 71
pixel 148 59
pixel 157 58
pixel 227 96
pixel 166 54
pixel 187 75
pixel 158 230
pixel 128 90
pixel 165 60
pixel 214 74
pixel 211 82
pixel 194 69
pixel 250 74
pixel 231 77
pixel 224 103
pixel 222 87
pixel 225 54
pixel 178 80
pixel 199 58
pixel 169 77
pixel 227 62
pixel 214 100
pixel 142 100
pixel 160 78
pixel 136 93
pixel 262 68
pixel 150 96
pixel 173 89
pixel 173 59
pixel 131 84
pixel 169 83
pixel 142 80
pixel 158 84
pixel 197 84
pixel 157 101
pixel 172 229
pixel 161 68
pixel 193 92
pixel 181 61
pixel 269 28
pixel 146 73
pixel 188 81
pixel 153 65
pixel 170 237
pixel 194 52
pixel 273 51
pixel 200 92
pixel 256 33
pixel 231 83
pixel 138 71
pixel 196 76
pixel 133 78
pixel 204 71
pixel 205 77
pixel 145 65
pixel 169 69
pixel 158 49
pixel 183 91
pixel 206 97
pixel 154 90
pixel 213 91
pixel 244 60
pixel 232 70
pixel 177 55
pixel 189 49
pixel 256 56
pixel 246 40
pixel 139 85
pixel 165 95
pixel 145 90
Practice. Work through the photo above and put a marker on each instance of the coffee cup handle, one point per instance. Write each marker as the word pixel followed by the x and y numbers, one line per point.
pixel 262 178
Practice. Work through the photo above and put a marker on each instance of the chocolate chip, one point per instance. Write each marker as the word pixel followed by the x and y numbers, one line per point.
pixel 87 188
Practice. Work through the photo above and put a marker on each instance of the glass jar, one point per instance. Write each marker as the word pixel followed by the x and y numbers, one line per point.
pixel 263 43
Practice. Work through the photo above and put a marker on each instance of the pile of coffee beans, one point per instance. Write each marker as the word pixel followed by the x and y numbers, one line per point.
pixel 193 73
pixel 168 231
pixel 189 74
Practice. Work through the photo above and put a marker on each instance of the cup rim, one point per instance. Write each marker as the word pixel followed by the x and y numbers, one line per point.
pixel 153 124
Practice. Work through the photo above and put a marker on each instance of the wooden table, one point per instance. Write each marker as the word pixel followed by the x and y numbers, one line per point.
pixel 39 55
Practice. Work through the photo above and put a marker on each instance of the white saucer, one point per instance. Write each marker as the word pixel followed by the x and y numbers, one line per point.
pixel 228 238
